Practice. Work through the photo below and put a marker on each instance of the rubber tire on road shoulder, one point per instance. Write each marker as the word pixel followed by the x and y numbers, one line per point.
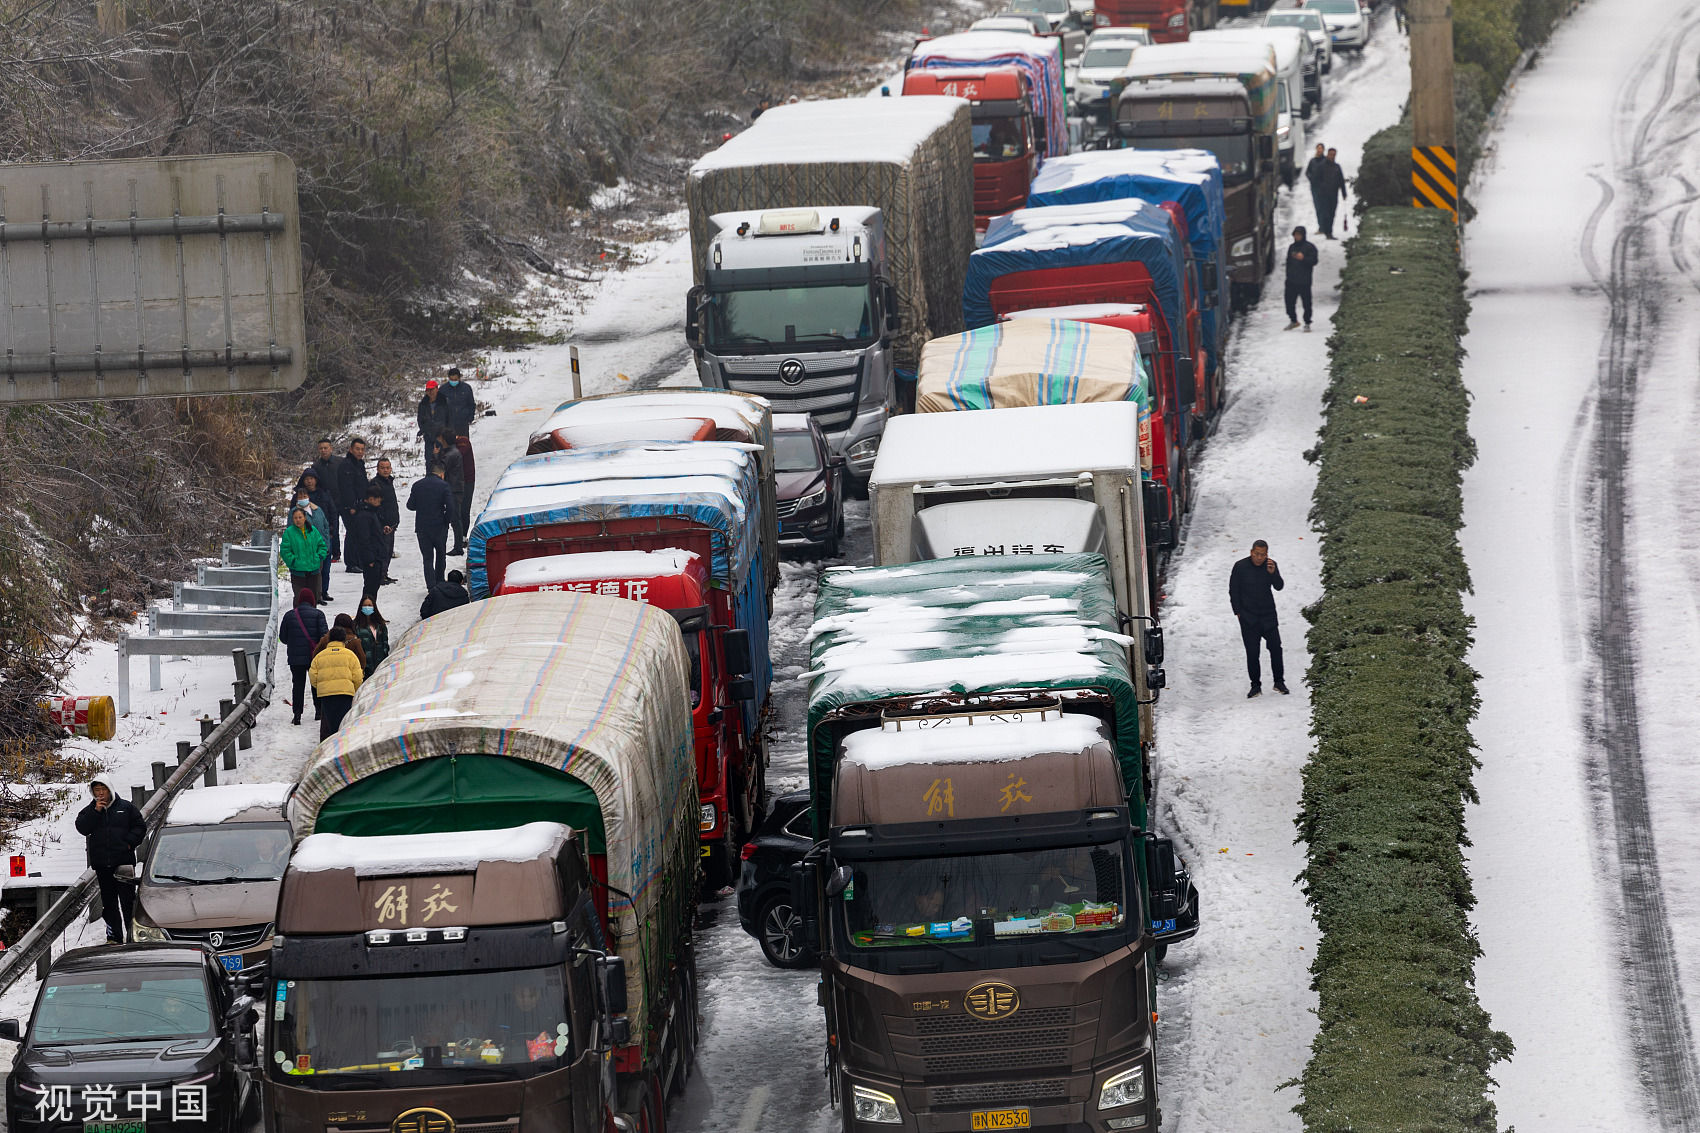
pixel 801 958
pixel 638 1102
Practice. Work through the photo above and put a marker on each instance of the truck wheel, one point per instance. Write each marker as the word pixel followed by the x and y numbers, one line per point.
pixel 778 931
pixel 641 1106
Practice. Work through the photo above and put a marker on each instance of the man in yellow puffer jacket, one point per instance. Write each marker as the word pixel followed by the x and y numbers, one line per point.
pixel 336 672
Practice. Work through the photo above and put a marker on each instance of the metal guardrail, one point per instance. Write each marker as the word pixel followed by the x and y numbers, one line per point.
pixel 34 948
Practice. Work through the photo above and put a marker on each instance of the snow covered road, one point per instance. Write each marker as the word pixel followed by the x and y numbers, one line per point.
pixel 1582 539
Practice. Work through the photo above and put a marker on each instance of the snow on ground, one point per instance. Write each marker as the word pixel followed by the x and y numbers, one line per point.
pixel 1585 199
pixel 1237 1009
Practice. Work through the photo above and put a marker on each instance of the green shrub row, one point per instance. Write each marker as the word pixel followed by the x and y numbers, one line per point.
pixel 1403 1043
pixel 1488 36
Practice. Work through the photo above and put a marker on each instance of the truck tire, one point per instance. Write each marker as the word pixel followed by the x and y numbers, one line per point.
pixel 641 1106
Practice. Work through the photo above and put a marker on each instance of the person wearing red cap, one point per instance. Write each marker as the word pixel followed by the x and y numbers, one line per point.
pixel 300 631
pixel 433 417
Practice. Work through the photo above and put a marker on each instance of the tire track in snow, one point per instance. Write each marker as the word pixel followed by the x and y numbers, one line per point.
pixel 1659 1026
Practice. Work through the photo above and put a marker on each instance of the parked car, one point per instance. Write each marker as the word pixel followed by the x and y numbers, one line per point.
pixel 808 484
pixel 1020 23
pixel 764 884
pixel 1314 25
pixel 134 1036
pixel 1348 23
pixel 1064 21
pixel 212 872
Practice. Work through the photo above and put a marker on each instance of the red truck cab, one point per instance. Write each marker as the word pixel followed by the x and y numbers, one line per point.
pixel 1170 21
pixel 1006 152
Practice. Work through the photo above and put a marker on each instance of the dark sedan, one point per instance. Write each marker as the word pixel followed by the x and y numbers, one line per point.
pixel 764 884
pixel 130 1038
pixel 810 485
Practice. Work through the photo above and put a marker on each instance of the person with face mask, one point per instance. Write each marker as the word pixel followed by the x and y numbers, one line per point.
pixel 462 403
pixel 373 632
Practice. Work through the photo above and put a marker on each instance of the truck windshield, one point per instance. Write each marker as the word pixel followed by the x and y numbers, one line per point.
pixel 1233 151
pixel 784 318
pixel 909 903
pixel 236 851
pixel 998 139
pixel 417 1030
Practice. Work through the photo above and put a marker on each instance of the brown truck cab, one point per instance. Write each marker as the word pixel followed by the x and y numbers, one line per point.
pixel 989 961
pixel 421 978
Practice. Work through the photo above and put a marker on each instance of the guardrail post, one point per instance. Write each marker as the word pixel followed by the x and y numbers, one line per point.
pixel 209 777
pixel 138 797
pixel 158 776
pixel 123 674
pixel 154 682
pixel 43 902
pixel 184 748
pixel 226 709
pixel 244 682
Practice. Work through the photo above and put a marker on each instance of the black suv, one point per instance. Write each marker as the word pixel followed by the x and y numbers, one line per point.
pixel 134 1037
pixel 764 884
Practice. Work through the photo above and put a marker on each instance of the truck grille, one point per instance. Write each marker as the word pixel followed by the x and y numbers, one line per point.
pixel 829 392
pixel 1046 1089
pixel 241 937
pixel 962 1045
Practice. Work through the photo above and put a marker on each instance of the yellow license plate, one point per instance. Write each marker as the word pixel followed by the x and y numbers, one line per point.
pixel 1001 1119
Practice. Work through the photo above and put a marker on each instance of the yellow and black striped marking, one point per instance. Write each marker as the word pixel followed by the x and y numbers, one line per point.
pixel 1434 178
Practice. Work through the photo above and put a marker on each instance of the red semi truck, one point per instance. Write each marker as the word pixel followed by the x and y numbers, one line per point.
pixel 1006 131
pixel 1170 21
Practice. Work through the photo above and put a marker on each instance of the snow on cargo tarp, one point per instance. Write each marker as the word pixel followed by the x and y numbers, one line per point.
pixel 1039 57
pixel 598 564
pixel 736 413
pixel 1060 236
pixel 594 687
pixel 911 158
pixel 387 855
pixel 985 741
pixel 1008 444
pixel 208 806
pixel 1013 593
pixel 1194 182
pixel 1252 64
pixel 712 483
pixel 1032 362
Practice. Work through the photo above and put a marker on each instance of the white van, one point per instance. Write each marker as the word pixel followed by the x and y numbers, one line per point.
pixel 1292 54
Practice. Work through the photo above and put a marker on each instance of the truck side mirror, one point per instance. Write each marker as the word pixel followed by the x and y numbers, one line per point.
pixel 11 1030
pixel 893 316
pixel 1209 282
pixel 1173 910
pixel 611 971
pixel 1266 147
pixel 741 690
pixel 241 1014
pixel 693 316
pixel 805 904
pixel 1154 645
pixel 1156 679
pixel 1186 380
pixel 737 648
pixel 839 881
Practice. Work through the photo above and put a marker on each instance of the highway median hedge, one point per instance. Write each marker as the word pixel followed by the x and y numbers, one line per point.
pixel 1403 1043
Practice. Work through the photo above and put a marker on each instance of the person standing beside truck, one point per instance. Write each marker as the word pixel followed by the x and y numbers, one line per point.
pixel 389 512
pixel 433 501
pixel 112 828
pixel 1301 262
pixel 1251 593
pixel 351 488
pixel 1327 190
pixel 434 416
pixel 303 551
pixel 454 474
pixel 336 674
pixel 1313 174
pixel 300 631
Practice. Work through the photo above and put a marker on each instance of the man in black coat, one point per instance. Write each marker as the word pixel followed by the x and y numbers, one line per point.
pixel 351 486
pixel 1251 593
pixel 328 465
pixel 454 474
pixel 389 511
pixel 434 503
pixel 300 631
pixel 1301 262
pixel 445 595
pixel 462 404
pixel 1327 188
pixel 365 546
pixel 113 828
pixel 433 416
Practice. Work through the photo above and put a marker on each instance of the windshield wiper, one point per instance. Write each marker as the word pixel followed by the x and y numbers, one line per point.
pixel 348 1081
pixel 178 877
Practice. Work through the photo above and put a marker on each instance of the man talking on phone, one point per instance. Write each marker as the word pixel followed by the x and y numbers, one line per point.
pixel 113 828
pixel 1251 592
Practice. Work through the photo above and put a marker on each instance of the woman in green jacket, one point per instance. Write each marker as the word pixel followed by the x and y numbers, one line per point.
pixel 373 632
pixel 304 552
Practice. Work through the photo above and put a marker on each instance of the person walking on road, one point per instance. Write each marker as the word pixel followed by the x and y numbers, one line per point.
pixel 373 632
pixel 304 552
pixel 389 512
pixel 1301 262
pixel 112 828
pixel 445 595
pixel 351 487
pixel 325 467
pixel 1327 189
pixel 1401 17
pixel 336 673
pixel 433 503
pixel 364 550
pixel 300 633
pixel 1313 171
pixel 454 474
pixel 1251 593
pixel 433 417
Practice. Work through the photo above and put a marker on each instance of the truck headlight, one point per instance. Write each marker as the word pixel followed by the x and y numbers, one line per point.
pixel 146 933
pixel 1178 20
pixel 876 1106
pixel 865 449
pixel 706 816
pixel 1123 1089
pixel 1242 247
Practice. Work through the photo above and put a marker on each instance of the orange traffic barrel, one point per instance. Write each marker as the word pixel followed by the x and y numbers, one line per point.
pixel 91 716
